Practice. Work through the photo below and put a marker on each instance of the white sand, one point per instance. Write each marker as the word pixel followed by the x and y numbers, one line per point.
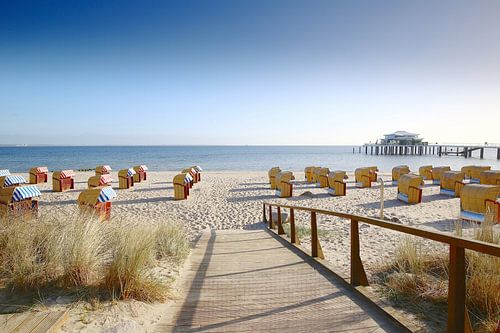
pixel 230 199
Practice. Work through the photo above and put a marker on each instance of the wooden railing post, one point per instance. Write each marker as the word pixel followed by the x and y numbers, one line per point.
pixel 264 218
pixel 456 290
pixel 294 239
pixel 281 231
pixel 358 275
pixel 316 250
pixel 271 225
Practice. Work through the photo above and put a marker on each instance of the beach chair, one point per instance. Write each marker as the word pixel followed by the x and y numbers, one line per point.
pixel 181 186
pixel 490 177
pixel 194 177
pixel 452 183
pixel 478 201
pixel 364 176
pixel 425 172
pixel 126 178
pixel 63 180
pixel 437 174
pixel 19 201
pixel 97 200
pixel 308 173
pixel 272 176
pixel 472 172
pixel 284 186
pixel 11 181
pixel 398 171
pixel 373 173
pixel 98 181
pixel 410 188
pixel 198 170
pixel 336 183
pixel 140 173
pixel 38 175
pixel 4 172
pixel 102 170
pixel 322 177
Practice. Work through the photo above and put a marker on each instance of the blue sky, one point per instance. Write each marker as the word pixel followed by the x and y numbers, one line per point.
pixel 248 72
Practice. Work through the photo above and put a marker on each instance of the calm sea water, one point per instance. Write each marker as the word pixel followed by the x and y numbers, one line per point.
pixel 160 158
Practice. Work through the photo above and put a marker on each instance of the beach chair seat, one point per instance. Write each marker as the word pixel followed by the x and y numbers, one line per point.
pixel 102 170
pixel 38 175
pixel 336 183
pixel 397 171
pixel 437 174
pixel 472 172
pixel 192 172
pixel 490 177
pixel 126 178
pixel 284 186
pixel 425 172
pixel 181 186
pixel 97 200
pixel 198 170
pixel 19 201
pixel 11 181
pixel 140 173
pixel 322 177
pixel 479 202
pixel 63 180
pixel 102 180
pixel 364 177
pixel 272 176
pixel 410 188
pixel 452 183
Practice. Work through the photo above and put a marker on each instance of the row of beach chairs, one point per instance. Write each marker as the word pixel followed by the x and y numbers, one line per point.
pixel 477 186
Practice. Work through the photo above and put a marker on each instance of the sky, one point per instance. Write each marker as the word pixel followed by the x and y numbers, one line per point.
pixel 248 72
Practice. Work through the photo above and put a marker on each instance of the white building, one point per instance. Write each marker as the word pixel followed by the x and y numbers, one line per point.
pixel 402 138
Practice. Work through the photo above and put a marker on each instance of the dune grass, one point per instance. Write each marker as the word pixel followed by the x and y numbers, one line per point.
pixel 75 252
pixel 418 280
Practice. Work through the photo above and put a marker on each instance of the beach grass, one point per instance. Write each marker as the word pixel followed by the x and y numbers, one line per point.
pixel 74 253
pixel 418 280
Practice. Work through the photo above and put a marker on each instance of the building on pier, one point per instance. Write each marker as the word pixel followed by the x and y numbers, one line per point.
pixel 402 138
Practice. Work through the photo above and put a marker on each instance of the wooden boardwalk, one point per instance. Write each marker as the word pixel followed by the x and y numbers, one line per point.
pixel 249 281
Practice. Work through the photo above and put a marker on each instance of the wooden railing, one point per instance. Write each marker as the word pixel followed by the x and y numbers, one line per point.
pixel 457 316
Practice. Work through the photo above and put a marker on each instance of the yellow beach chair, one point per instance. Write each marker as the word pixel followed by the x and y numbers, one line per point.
pixel 364 176
pixel 181 186
pixel 336 183
pixel 63 180
pixel 19 201
pixel 478 201
pixel 425 172
pixel 140 173
pixel 491 177
pixel 97 200
pixel 272 176
pixel 39 175
pixel 126 178
pixel 397 171
pixel 473 172
pixel 284 186
pixel 97 181
pixel 410 188
pixel 322 177
pixel 437 174
pixel 102 170
pixel 373 173
pixel 452 183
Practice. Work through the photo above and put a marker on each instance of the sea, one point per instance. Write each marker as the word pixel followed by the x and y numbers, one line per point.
pixel 219 158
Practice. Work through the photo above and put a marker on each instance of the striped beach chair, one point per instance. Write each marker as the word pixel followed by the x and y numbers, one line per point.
pixel 140 173
pixel 102 170
pixel 181 186
pixel 63 180
pixel 97 201
pixel 19 200
pixel 126 178
pixel 102 180
pixel 11 180
pixel 39 175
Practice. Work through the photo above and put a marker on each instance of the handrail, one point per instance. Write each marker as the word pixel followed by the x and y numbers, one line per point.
pixel 458 320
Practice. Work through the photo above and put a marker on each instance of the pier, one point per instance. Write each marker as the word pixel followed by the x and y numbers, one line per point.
pixel 427 149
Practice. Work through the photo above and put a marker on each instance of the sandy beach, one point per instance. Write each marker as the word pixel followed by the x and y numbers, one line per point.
pixel 233 200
